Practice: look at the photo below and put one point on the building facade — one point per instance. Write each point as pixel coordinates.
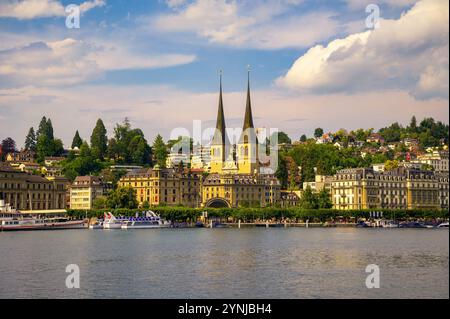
(233, 190)
(166, 186)
(84, 190)
(401, 188)
(28, 192)
(437, 159)
(320, 183)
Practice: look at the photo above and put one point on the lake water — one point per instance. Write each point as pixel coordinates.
(226, 263)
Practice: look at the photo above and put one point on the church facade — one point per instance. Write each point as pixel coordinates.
(235, 178)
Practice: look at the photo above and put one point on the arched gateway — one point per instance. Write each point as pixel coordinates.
(217, 203)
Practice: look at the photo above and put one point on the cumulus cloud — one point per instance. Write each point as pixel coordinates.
(73, 61)
(410, 53)
(259, 24)
(30, 9)
(156, 109)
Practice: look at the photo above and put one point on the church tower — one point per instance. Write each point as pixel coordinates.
(247, 149)
(220, 143)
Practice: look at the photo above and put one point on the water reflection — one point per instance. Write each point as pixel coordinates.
(226, 263)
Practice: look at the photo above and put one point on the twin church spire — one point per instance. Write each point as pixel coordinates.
(220, 136)
(246, 149)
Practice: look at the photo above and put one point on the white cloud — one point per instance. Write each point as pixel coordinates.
(259, 24)
(73, 61)
(409, 53)
(361, 4)
(156, 109)
(30, 9)
(88, 5)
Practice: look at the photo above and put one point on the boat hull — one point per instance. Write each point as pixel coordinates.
(112, 226)
(49, 226)
(145, 226)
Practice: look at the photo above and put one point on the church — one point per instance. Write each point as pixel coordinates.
(235, 179)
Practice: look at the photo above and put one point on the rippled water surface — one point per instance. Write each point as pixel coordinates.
(226, 263)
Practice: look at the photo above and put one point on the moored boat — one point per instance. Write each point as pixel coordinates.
(14, 220)
(389, 224)
(111, 222)
(412, 225)
(97, 225)
(147, 221)
(443, 225)
(41, 224)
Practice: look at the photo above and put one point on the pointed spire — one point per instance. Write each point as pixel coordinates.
(220, 136)
(248, 119)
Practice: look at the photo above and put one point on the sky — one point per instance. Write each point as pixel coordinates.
(313, 64)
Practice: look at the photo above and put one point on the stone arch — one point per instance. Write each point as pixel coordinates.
(218, 202)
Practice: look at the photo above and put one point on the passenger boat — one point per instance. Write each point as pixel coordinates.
(389, 224)
(97, 225)
(14, 220)
(41, 224)
(443, 225)
(412, 225)
(149, 220)
(111, 222)
(362, 224)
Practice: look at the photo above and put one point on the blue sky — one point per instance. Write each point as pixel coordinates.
(314, 63)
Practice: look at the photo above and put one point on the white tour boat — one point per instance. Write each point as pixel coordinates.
(111, 222)
(149, 220)
(443, 225)
(389, 224)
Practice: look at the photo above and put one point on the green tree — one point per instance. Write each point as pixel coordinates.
(112, 176)
(49, 131)
(84, 164)
(99, 140)
(123, 197)
(145, 205)
(293, 173)
(309, 199)
(44, 147)
(46, 144)
(8, 146)
(85, 150)
(283, 138)
(30, 140)
(324, 199)
(303, 138)
(427, 167)
(57, 147)
(413, 125)
(392, 133)
(77, 141)
(390, 165)
(129, 145)
(160, 151)
(42, 128)
(282, 171)
(139, 150)
(318, 132)
(100, 202)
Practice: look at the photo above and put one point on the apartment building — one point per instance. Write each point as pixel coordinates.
(168, 186)
(401, 188)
